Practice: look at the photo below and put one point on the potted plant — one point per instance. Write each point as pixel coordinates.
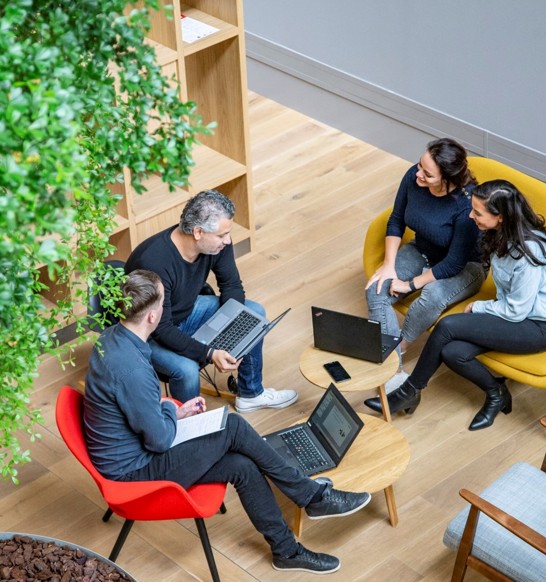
(68, 128)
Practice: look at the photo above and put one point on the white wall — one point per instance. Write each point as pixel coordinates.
(475, 69)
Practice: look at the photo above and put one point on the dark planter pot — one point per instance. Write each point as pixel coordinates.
(23, 556)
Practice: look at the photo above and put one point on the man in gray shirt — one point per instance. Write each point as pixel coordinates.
(129, 431)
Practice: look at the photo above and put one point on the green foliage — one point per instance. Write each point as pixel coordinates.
(68, 128)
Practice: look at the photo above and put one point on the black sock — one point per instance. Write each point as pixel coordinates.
(318, 495)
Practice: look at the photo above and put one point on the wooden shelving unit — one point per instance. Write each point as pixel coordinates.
(211, 72)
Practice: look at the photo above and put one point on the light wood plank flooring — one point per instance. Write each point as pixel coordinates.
(316, 189)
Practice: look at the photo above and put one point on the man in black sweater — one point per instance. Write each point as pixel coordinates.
(183, 256)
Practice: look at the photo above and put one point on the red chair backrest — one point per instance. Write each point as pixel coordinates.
(69, 417)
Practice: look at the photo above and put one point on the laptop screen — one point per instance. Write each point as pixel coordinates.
(336, 421)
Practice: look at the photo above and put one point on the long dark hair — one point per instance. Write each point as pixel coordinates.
(450, 157)
(518, 226)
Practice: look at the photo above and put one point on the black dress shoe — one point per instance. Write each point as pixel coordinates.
(307, 561)
(498, 400)
(405, 397)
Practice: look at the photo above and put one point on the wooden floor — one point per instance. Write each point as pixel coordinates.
(316, 190)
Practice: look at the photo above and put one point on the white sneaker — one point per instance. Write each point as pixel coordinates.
(269, 398)
(396, 381)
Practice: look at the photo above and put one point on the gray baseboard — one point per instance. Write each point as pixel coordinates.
(371, 113)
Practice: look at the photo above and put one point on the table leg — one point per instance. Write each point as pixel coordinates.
(391, 505)
(298, 521)
(384, 403)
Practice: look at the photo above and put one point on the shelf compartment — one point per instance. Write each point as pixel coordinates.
(122, 224)
(220, 96)
(156, 199)
(212, 169)
(164, 54)
(122, 241)
(240, 234)
(225, 30)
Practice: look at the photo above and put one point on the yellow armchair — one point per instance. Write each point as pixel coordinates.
(527, 369)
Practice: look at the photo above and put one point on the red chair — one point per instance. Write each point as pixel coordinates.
(139, 500)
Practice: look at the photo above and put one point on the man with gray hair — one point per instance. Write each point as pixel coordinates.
(183, 256)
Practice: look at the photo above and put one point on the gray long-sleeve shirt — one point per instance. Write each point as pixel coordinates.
(521, 288)
(125, 421)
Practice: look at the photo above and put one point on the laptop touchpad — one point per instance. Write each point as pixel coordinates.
(218, 322)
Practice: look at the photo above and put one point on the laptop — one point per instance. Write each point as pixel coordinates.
(350, 335)
(235, 328)
(320, 443)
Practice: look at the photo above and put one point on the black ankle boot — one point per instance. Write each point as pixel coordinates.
(405, 398)
(496, 400)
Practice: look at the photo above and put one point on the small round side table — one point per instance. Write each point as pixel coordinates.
(364, 375)
(377, 458)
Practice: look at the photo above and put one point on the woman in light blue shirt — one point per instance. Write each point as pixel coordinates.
(514, 241)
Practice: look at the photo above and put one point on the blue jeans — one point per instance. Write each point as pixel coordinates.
(433, 300)
(457, 339)
(183, 373)
(237, 455)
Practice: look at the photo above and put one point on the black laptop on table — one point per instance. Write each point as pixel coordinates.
(350, 335)
(235, 328)
(320, 443)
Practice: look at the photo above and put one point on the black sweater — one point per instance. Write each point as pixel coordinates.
(183, 281)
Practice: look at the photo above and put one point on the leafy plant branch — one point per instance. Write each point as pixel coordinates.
(83, 103)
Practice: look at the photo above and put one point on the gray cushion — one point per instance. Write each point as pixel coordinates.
(521, 492)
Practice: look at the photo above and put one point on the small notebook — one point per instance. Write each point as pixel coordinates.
(200, 424)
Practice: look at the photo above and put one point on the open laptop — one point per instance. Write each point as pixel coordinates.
(350, 335)
(320, 443)
(235, 328)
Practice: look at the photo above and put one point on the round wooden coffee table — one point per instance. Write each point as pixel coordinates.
(364, 375)
(377, 458)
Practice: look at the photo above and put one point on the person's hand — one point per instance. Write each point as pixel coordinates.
(468, 308)
(398, 287)
(224, 361)
(380, 276)
(192, 407)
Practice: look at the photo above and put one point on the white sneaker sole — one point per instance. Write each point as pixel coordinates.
(307, 570)
(284, 404)
(361, 506)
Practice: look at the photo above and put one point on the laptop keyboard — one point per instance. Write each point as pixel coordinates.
(304, 449)
(231, 335)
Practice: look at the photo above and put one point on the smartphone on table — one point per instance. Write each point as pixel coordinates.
(337, 372)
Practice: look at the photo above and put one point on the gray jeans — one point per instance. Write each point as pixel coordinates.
(433, 300)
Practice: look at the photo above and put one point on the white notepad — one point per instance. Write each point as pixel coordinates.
(193, 30)
(200, 424)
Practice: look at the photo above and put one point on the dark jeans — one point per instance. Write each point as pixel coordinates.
(237, 455)
(458, 339)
